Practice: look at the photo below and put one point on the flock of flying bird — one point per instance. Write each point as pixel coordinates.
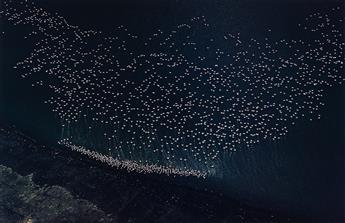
(176, 102)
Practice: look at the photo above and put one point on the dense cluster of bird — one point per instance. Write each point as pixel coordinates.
(131, 165)
(178, 98)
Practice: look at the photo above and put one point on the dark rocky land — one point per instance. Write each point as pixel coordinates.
(41, 184)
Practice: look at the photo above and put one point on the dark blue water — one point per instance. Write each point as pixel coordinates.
(300, 173)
